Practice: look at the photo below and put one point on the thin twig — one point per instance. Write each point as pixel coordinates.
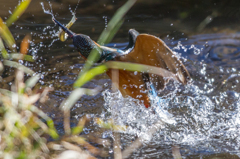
(117, 146)
(139, 141)
(176, 152)
(115, 80)
(116, 135)
(66, 122)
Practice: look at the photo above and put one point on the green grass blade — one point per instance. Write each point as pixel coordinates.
(87, 76)
(31, 82)
(77, 130)
(18, 66)
(28, 58)
(18, 12)
(52, 130)
(114, 31)
(6, 35)
(115, 21)
(3, 50)
(72, 99)
(1, 69)
(75, 96)
(140, 68)
(6, 92)
(19, 56)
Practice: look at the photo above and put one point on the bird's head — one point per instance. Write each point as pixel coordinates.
(83, 43)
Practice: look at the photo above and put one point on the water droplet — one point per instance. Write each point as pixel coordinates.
(106, 84)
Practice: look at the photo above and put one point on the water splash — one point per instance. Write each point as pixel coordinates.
(74, 12)
(208, 117)
(195, 49)
(199, 124)
(106, 21)
(127, 111)
(47, 11)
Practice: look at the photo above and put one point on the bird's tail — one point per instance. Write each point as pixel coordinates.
(66, 30)
(156, 102)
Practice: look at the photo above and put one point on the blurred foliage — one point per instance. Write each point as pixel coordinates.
(110, 125)
(18, 12)
(73, 140)
(6, 35)
(22, 125)
(24, 128)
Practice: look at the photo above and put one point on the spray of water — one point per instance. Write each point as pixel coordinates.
(202, 122)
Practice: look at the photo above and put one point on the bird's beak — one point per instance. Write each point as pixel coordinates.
(66, 30)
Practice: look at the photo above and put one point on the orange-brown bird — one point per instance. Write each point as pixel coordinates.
(142, 49)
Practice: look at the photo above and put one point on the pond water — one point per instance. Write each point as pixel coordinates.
(207, 110)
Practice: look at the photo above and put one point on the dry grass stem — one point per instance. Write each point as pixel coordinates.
(176, 152)
(139, 141)
(117, 146)
(66, 122)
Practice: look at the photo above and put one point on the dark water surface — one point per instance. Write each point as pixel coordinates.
(207, 111)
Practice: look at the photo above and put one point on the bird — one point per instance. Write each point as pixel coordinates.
(142, 49)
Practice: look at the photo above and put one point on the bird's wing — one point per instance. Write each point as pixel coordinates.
(132, 39)
(110, 53)
(150, 50)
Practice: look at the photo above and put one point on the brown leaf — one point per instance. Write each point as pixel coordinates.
(25, 44)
